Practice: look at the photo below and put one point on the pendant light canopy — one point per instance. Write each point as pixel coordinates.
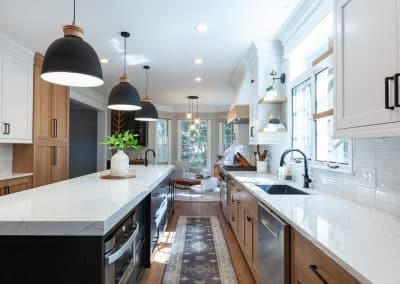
(124, 96)
(70, 61)
(148, 111)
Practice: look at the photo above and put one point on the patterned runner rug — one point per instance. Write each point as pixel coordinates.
(199, 253)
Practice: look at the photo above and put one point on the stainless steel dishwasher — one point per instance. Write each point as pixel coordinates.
(274, 254)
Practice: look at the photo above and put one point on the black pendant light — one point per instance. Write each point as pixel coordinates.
(70, 61)
(124, 96)
(148, 111)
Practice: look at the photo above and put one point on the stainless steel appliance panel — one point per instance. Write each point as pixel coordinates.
(274, 251)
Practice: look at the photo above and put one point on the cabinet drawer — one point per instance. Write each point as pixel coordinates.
(310, 265)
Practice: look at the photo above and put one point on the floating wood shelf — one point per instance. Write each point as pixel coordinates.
(272, 130)
(272, 100)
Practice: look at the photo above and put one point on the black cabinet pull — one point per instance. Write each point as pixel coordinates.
(8, 128)
(5, 128)
(56, 128)
(396, 90)
(387, 79)
(7, 190)
(252, 131)
(314, 268)
(249, 219)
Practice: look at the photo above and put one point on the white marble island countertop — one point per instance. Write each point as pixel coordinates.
(364, 241)
(85, 205)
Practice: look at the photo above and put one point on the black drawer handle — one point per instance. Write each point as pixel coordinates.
(314, 268)
(396, 90)
(252, 131)
(387, 79)
(249, 219)
(5, 128)
(233, 219)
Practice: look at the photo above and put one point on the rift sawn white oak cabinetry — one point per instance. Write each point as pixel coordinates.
(367, 49)
(16, 94)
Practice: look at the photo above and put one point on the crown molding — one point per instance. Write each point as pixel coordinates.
(301, 21)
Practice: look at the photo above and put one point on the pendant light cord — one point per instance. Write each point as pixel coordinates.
(125, 58)
(73, 21)
(147, 85)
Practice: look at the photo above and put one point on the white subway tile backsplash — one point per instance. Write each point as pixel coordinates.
(376, 178)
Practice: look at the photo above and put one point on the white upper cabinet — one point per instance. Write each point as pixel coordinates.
(367, 55)
(16, 93)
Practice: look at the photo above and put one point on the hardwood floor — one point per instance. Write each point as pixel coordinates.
(155, 274)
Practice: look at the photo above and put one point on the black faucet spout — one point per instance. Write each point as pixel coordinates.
(307, 179)
(146, 161)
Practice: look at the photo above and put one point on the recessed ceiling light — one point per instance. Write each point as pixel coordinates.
(104, 60)
(198, 61)
(198, 79)
(202, 28)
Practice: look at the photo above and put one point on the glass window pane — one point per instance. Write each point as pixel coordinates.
(324, 89)
(329, 149)
(301, 115)
(162, 141)
(194, 143)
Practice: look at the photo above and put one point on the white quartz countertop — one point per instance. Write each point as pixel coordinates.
(5, 176)
(85, 205)
(364, 241)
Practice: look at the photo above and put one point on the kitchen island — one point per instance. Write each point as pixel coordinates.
(58, 233)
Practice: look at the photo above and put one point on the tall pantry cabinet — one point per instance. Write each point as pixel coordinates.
(48, 157)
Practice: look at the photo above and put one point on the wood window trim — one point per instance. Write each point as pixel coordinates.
(323, 114)
(322, 57)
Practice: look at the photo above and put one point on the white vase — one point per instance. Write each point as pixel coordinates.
(119, 164)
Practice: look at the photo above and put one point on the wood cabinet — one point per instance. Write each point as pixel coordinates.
(310, 265)
(15, 185)
(366, 64)
(51, 104)
(48, 156)
(243, 212)
(16, 73)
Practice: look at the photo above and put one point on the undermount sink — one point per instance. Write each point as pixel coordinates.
(281, 189)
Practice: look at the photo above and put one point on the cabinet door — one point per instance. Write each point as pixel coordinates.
(240, 217)
(366, 54)
(2, 188)
(16, 105)
(248, 235)
(60, 113)
(309, 265)
(59, 163)
(43, 105)
(233, 213)
(43, 167)
(19, 184)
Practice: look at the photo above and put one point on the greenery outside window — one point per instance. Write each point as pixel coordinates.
(194, 143)
(162, 145)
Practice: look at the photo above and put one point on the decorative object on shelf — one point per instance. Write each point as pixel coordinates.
(281, 78)
(124, 96)
(270, 92)
(148, 111)
(120, 160)
(70, 61)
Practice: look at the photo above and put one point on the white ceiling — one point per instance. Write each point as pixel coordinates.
(163, 36)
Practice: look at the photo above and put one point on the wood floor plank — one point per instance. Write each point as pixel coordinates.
(155, 274)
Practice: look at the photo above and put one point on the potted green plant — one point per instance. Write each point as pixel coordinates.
(121, 142)
(270, 91)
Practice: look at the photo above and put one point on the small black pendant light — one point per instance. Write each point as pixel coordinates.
(148, 111)
(70, 61)
(124, 96)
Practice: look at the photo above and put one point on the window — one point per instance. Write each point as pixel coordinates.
(312, 119)
(194, 143)
(327, 149)
(301, 117)
(162, 147)
(226, 137)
